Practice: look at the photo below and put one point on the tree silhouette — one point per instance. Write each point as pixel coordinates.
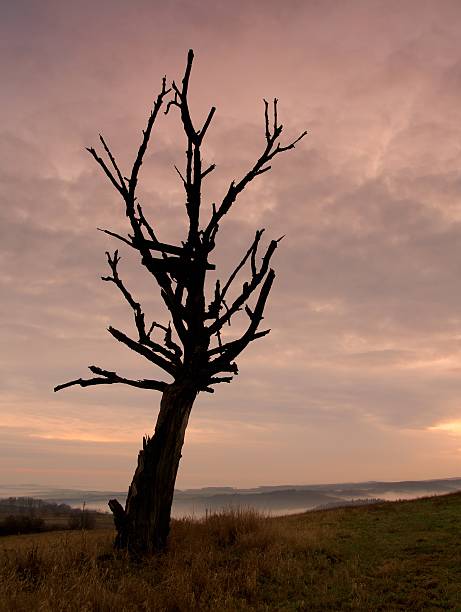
(192, 351)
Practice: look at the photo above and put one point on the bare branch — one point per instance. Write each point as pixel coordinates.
(272, 148)
(112, 159)
(247, 289)
(234, 343)
(114, 235)
(154, 244)
(218, 336)
(108, 173)
(180, 100)
(266, 120)
(154, 325)
(165, 248)
(144, 337)
(222, 379)
(145, 141)
(176, 309)
(221, 364)
(232, 349)
(181, 176)
(215, 306)
(263, 170)
(185, 115)
(208, 170)
(171, 344)
(280, 149)
(251, 251)
(207, 123)
(143, 350)
(157, 267)
(138, 314)
(143, 221)
(108, 378)
(193, 174)
(175, 101)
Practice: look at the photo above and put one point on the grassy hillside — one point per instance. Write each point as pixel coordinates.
(392, 556)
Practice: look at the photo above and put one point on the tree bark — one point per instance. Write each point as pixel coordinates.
(144, 525)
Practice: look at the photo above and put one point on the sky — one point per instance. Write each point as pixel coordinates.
(360, 377)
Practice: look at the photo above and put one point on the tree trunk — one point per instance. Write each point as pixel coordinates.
(143, 526)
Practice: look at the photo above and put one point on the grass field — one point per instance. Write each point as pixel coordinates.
(392, 556)
(62, 521)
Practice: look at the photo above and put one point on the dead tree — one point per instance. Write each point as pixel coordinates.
(192, 351)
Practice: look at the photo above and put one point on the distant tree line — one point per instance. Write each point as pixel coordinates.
(31, 505)
(21, 515)
(20, 524)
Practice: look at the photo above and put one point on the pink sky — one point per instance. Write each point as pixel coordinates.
(361, 375)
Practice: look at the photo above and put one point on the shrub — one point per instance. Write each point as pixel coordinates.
(15, 525)
(82, 519)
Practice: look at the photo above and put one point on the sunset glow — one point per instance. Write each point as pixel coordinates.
(453, 428)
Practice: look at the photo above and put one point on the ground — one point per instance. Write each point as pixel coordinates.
(390, 556)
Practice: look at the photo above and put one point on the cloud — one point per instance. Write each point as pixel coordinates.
(365, 341)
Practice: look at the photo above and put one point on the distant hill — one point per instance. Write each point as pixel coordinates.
(280, 499)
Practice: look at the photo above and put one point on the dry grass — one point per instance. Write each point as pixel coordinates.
(403, 556)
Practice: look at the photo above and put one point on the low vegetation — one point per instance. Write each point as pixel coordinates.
(389, 556)
(23, 515)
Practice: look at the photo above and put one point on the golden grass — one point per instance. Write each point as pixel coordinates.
(403, 556)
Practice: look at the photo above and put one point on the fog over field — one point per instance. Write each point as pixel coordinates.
(275, 500)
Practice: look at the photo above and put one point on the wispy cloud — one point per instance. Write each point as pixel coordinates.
(364, 358)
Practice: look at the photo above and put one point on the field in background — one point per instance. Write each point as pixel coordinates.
(391, 556)
(20, 515)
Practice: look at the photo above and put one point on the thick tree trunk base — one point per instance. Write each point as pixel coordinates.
(143, 526)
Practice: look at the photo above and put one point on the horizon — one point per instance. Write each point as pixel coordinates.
(49, 487)
(273, 500)
(360, 377)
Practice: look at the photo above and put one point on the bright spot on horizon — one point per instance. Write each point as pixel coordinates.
(452, 427)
